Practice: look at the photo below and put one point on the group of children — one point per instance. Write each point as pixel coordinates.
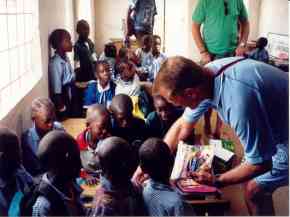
(44, 178)
(98, 79)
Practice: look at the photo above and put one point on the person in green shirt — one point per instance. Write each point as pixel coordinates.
(221, 21)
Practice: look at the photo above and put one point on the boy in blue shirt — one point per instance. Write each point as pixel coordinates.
(260, 53)
(117, 196)
(160, 198)
(159, 121)
(102, 90)
(14, 180)
(57, 193)
(43, 117)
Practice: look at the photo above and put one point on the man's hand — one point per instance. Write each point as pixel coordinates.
(205, 58)
(203, 177)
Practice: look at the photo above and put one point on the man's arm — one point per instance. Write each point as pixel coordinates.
(245, 30)
(244, 172)
(239, 174)
(205, 56)
(180, 130)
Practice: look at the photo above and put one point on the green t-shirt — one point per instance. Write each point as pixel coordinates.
(220, 32)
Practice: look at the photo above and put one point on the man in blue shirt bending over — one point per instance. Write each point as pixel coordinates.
(250, 96)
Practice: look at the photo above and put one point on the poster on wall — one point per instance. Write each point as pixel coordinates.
(278, 46)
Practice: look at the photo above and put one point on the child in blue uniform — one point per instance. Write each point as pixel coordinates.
(61, 74)
(102, 90)
(14, 180)
(160, 198)
(43, 117)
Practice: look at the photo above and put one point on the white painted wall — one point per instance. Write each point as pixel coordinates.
(274, 17)
(52, 14)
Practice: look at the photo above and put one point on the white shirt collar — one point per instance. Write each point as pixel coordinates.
(101, 89)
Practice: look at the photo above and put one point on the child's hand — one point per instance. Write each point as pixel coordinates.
(92, 181)
(139, 177)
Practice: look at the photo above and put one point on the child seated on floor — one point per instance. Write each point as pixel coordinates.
(145, 56)
(14, 180)
(102, 90)
(260, 53)
(129, 84)
(59, 195)
(125, 125)
(61, 75)
(117, 196)
(99, 127)
(159, 121)
(43, 118)
(110, 55)
(126, 54)
(158, 56)
(159, 197)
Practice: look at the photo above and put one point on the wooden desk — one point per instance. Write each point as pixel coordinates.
(74, 126)
(210, 207)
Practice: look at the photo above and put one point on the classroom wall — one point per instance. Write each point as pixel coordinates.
(274, 17)
(109, 15)
(52, 14)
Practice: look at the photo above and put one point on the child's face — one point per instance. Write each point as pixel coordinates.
(156, 45)
(103, 73)
(123, 119)
(100, 129)
(127, 72)
(147, 45)
(163, 109)
(84, 30)
(66, 44)
(44, 121)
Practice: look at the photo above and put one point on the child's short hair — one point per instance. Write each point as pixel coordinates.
(80, 24)
(42, 103)
(121, 103)
(156, 37)
(116, 159)
(56, 37)
(119, 66)
(262, 42)
(94, 112)
(156, 159)
(110, 50)
(101, 62)
(123, 52)
(10, 147)
(59, 152)
(147, 39)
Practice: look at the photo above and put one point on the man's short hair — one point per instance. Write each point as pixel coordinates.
(177, 74)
